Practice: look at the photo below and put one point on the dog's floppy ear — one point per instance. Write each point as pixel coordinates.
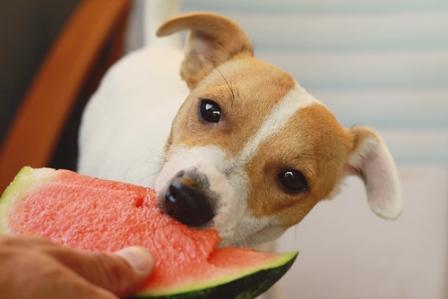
(371, 160)
(213, 39)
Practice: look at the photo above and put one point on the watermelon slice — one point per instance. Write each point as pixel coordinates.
(99, 215)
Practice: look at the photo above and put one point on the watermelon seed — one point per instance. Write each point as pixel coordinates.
(138, 201)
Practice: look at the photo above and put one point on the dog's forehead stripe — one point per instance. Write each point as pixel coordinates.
(297, 98)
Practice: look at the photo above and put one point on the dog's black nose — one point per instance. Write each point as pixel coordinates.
(186, 204)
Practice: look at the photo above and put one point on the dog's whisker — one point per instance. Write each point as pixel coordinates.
(229, 86)
(144, 157)
(153, 173)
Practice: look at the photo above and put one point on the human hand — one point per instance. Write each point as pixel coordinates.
(39, 269)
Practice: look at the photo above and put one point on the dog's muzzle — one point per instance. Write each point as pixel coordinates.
(186, 201)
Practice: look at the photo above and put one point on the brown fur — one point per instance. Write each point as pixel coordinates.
(225, 41)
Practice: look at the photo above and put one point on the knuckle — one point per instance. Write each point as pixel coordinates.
(52, 272)
(112, 272)
(8, 241)
(53, 251)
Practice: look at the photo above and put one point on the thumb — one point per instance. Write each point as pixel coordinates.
(123, 272)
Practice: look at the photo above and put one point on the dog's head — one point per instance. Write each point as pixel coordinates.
(250, 151)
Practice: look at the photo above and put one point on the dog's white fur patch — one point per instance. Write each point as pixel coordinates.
(209, 160)
(297, 98)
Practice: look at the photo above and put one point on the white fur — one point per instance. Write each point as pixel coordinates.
(126, 123)
(209, 160)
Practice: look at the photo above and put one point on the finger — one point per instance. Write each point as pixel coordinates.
(23, 241)
(122, 273)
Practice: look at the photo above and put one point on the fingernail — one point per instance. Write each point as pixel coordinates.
(138, 257)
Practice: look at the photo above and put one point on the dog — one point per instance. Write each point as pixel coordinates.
(245, 149)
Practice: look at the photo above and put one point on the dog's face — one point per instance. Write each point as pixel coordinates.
(250, 151)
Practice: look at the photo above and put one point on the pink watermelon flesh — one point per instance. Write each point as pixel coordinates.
(99, 215)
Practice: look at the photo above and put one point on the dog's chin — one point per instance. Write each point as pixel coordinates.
(253, 240)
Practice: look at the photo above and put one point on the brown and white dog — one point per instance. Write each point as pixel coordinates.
(250, 152)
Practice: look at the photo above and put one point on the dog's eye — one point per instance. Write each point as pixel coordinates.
(210, 111)
(293, 181)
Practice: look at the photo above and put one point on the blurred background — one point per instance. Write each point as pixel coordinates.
(382, 63)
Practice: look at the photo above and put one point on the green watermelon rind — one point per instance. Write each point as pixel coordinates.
(24, 181)
(247, 284)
